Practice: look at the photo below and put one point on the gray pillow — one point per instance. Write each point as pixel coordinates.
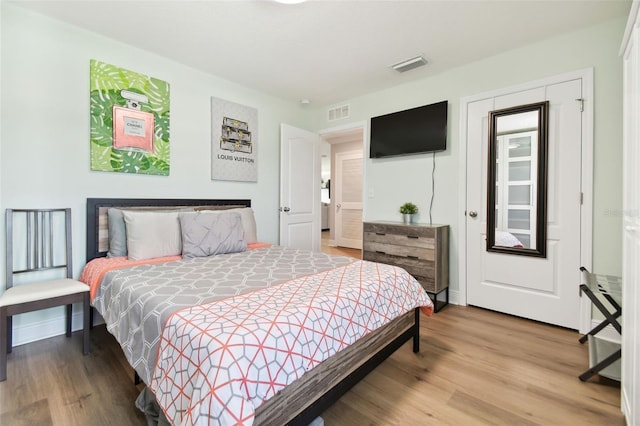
(206, 234)
(246, 215)
(117, 233)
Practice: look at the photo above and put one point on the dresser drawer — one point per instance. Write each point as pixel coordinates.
(409, 231)
(422, 271)
(395, 249)
(421, 250)
(400, 240)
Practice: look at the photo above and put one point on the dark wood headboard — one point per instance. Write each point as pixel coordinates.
(97, 215)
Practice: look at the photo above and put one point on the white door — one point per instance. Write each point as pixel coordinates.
(299, 188)
(348, 202)
(631, 225)
(543, 289)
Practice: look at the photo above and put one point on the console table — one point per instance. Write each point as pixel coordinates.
(423, 250)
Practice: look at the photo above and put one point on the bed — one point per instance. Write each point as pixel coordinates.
(178, 341)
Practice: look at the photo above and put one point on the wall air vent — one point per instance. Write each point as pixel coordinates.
(409, 64)
(338, 113)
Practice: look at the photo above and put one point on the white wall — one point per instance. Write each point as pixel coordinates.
(44, 155)
(396, 180)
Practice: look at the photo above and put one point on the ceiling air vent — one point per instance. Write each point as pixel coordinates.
(409, 64)
(339, 112)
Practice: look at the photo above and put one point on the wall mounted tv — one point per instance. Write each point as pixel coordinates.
(413, 131)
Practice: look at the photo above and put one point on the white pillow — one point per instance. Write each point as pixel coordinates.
(152, 234)
(248, 222)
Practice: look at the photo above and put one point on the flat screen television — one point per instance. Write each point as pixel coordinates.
(412, 131)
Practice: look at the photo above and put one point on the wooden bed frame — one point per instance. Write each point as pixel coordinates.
(306, 398)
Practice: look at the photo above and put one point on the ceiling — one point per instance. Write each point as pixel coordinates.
(327, 51)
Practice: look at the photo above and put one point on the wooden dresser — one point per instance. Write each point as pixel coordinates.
(423, 250)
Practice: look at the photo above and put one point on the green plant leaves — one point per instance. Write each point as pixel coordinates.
(408, 208)
(106, 84)
(129, 161)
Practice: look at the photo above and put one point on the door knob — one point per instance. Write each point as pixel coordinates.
(473, 213)
(339, 205)
(285, 209)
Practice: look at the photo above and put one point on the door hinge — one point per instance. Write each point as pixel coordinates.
(581, 198)
(581, 100)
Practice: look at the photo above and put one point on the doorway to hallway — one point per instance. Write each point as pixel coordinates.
(339, 251)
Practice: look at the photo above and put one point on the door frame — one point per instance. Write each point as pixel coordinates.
(586, 211)
(365, 137)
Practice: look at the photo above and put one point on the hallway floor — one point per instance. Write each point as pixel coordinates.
(339, 251)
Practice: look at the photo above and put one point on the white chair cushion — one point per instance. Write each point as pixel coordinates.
(41, 291)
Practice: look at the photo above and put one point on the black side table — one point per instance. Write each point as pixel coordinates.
(439, 304)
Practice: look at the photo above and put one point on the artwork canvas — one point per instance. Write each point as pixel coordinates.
(129, 121)
(234, 137)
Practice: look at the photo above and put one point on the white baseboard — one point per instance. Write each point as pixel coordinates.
(50, 327)
(454, 297)
(38, 330)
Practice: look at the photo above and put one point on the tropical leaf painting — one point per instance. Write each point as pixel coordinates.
(107, 83)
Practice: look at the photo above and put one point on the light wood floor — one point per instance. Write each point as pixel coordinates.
(339, 251)
(475, 367)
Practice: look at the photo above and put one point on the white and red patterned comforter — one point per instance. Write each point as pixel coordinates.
(217, 362)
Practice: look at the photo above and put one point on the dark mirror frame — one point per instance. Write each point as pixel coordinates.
(541, 194)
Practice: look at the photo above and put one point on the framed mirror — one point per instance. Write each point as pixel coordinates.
(517, 180)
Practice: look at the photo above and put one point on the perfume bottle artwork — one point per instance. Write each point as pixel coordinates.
(132, 127)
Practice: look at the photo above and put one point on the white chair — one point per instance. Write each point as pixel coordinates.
(34, 245)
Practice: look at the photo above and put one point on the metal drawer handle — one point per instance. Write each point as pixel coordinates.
(413, 257)
(381, 252)
(380, 233)
(413, 236)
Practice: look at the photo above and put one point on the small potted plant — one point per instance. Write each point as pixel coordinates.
(408, 209)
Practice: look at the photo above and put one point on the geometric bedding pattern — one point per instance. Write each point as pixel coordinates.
(95, 270)
(220, 361)
(135, 302)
